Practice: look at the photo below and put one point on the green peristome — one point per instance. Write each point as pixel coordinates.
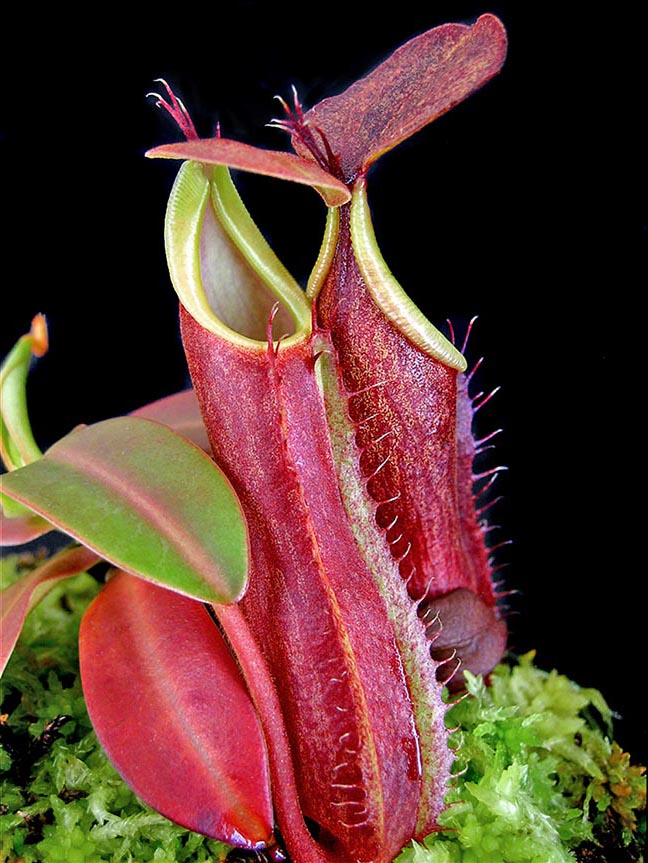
(148, 501)
(212, 240)
(387, 293)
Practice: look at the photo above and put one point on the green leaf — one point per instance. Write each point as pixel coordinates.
(147, 500)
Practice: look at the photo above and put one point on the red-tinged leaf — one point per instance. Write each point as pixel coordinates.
(18, 599)
(22, 529)
(180, 412)
(171, 709)
(271, 163)
(147, 500)
(421, 80)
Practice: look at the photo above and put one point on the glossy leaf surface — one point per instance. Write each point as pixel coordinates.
(147, 500)
(171, 708)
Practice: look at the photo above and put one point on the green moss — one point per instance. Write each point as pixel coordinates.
(541, 777)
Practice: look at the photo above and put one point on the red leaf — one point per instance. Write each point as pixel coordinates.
(171, 709)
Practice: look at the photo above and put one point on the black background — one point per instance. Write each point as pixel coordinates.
(519, 206)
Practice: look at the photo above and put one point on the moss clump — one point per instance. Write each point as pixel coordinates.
(542, 781)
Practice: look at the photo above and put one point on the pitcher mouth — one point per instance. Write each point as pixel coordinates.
(224, 272)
